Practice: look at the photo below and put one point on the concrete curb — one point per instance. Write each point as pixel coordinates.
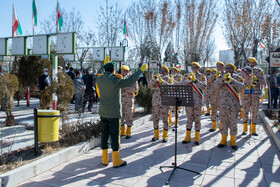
(273, 131)
(23, 173)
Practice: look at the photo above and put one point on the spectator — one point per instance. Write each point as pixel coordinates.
(44, 81)
(79, 91)
(143, 80)
(273, 93)
(71, 73)
(89, 81)
(60, 69)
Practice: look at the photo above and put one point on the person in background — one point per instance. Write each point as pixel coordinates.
(79, 91)
(143, 80)
(89, 81)
(44, 81)
(60, 69)
(274, 82)
(72, 75)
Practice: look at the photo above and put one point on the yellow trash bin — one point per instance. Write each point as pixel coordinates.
(266, 93)
(48, 127)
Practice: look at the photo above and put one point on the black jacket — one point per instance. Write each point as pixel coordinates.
(89, 81)
(44, 81)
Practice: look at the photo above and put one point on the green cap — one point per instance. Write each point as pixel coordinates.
(109, 65)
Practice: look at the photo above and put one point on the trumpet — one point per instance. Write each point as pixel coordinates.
(189, 77)
(156, 76)
(253, 79)
(227, 78)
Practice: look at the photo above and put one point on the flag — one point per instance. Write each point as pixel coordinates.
(34, 14)
(125, 27)
(178, 65)
(262, 44)
(59, 21)
(16, 25)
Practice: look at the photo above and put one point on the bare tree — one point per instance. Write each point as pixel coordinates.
(109, 24)
(246, 23)
(200, 18)
(72, 22)
(151, 27)
(86, 41)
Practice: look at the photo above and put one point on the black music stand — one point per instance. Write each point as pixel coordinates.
(176, 95)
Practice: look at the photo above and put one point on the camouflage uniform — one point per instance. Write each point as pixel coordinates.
(251, 98)
(228, 103)
(214, 96)
(159, 109)
(127, 103)
(178, 78)
(193, 113)
(207, 92)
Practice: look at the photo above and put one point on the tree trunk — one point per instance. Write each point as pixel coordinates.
(255, 48)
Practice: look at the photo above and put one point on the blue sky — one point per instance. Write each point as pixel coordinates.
(89, 10)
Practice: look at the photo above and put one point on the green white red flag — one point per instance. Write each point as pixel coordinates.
(59, 20)
(34, 14)
(16, 29)
(125, 31)
(262, 44)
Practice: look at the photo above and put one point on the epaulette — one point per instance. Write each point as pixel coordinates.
(119, 76)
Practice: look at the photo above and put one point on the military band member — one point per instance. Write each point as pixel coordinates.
(229, 85)
(177, 79)
(253, 80)
(109, 89)
(198, 83)
(214, 94)
(206, 92)
(160, 110)
(175, 72)
(127, 103)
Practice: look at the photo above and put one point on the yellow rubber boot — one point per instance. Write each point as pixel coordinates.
(128, 132)
(169, 119)
(223, 142)
(165, 136)
(202, 112)
(133, 107)
(117, 161)
(214, 126)
(177, 122)
(156, 136)
(123, 130)
(253, 129)
(220, 125)
(207, 111)
(245, 128)
(196, 137)
(187, 138)
(105, 157)
(233, 142)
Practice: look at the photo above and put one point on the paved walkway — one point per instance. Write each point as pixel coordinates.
(255, 163)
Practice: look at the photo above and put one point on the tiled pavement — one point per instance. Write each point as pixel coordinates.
(255, 163)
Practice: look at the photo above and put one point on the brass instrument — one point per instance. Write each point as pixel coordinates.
(254, 79)
(189, 77)
(227, 78)
(156, 76)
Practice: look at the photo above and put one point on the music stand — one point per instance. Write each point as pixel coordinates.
(176, 95)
